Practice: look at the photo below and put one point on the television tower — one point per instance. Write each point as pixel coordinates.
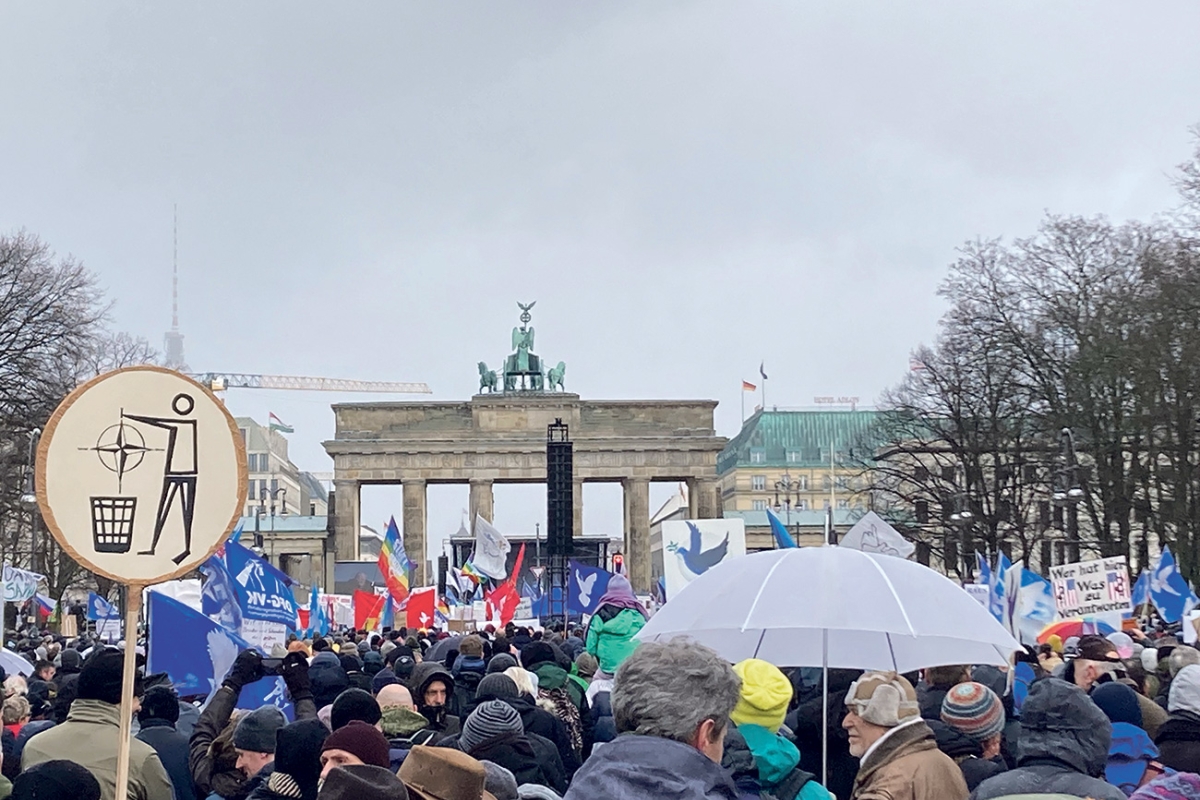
(173, 339)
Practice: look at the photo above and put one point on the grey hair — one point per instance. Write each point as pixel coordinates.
(668, 689)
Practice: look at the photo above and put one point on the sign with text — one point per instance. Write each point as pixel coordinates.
(980, 591)
(1092, 587)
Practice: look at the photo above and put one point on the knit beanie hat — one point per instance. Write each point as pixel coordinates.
(350, 663)
(489, 720)
(56, 780)
(354, 704)
(973, 710)
(501, 662)
(764, 696)
(1179, 786)
(256, 731)
(102, 675)
(1118, 702)
(362, 740)
(883, 698)
(536, 653)
(159, 702)
(298, 753)
(362, 782)
(497, 685)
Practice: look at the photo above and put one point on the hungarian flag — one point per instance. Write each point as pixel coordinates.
(394, 563)
(279, 425)
(421, 608)
(747, 386)
(368, 608)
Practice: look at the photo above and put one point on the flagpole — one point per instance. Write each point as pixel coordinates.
(743, 393)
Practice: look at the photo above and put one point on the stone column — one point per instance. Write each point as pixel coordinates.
(577, 507)
(414, 528)
(693, 499)
(707, 502)
(637, 532)
(482, 502)
(347, 520)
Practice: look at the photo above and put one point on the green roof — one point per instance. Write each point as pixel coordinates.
(801, 439)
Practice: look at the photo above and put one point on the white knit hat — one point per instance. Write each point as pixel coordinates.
(883, 698)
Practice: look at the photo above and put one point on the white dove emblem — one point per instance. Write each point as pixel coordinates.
(1159, 583)
(585, 587)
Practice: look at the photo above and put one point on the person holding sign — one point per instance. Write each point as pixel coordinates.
(90, 735)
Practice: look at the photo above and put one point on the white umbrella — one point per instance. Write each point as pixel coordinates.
(833, 607)
(15, 663)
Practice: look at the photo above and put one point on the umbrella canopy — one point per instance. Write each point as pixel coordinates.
(14, 663)
(835, 607)
(1074, 627)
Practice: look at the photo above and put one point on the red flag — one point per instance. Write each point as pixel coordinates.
(303, 612)
(367, 608)
(505, 599)
(512, 576)
(420, 608)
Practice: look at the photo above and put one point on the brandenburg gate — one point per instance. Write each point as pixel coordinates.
(499, 436)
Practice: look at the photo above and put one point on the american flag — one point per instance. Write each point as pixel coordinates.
(1072, 597)
(1116, 585)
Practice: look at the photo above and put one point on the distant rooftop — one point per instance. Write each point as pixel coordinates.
(801, 439)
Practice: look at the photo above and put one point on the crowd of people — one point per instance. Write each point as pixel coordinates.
(589, 713)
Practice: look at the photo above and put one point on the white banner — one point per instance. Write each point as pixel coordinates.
(20, 584)
(491, 550)
(1092, 587)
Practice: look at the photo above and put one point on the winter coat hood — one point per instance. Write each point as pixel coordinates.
(633, 767)
(1060, 722)
(425, 673)
(400, 723)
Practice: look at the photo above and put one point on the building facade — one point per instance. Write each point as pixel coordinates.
(274, 479)
(798, 464)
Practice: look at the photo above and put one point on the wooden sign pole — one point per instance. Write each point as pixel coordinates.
(133, 607)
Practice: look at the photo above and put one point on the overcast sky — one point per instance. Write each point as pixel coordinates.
(685, 188)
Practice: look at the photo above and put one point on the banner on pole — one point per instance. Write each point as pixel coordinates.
(20, 584)
(1092, 587)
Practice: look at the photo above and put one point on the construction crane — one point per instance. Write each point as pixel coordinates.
(220, 381)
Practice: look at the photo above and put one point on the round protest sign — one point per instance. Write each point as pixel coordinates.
(141, 474)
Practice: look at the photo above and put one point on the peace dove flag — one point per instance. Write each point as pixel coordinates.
(491, 550)
(872, 534)
(587, 586)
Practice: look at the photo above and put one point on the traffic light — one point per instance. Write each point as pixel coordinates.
(618, 562)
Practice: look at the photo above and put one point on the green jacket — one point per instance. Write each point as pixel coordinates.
(611, 641)
(89, 738)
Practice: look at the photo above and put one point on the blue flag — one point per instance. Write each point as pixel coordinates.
(197, 654)
(1034, 608)
(219, 597)
(100, 609)
(783, 539)
(1141, 590)
(985, 572)
(264, 592)
(318, 621)
(587, 586)
(1169, 592)
(997, 601)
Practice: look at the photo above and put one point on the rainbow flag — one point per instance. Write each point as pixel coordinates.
(394, 563)
(469, 570)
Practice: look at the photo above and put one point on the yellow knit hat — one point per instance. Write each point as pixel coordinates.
(766, 693)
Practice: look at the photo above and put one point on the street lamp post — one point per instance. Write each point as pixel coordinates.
(962, 517)
(29, 498)
(265, 494)
(789, 488)
(1067, 490)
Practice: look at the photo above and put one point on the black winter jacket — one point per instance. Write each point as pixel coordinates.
(539, 722)
(1178, 742)
(172, 749)
(967, 753)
